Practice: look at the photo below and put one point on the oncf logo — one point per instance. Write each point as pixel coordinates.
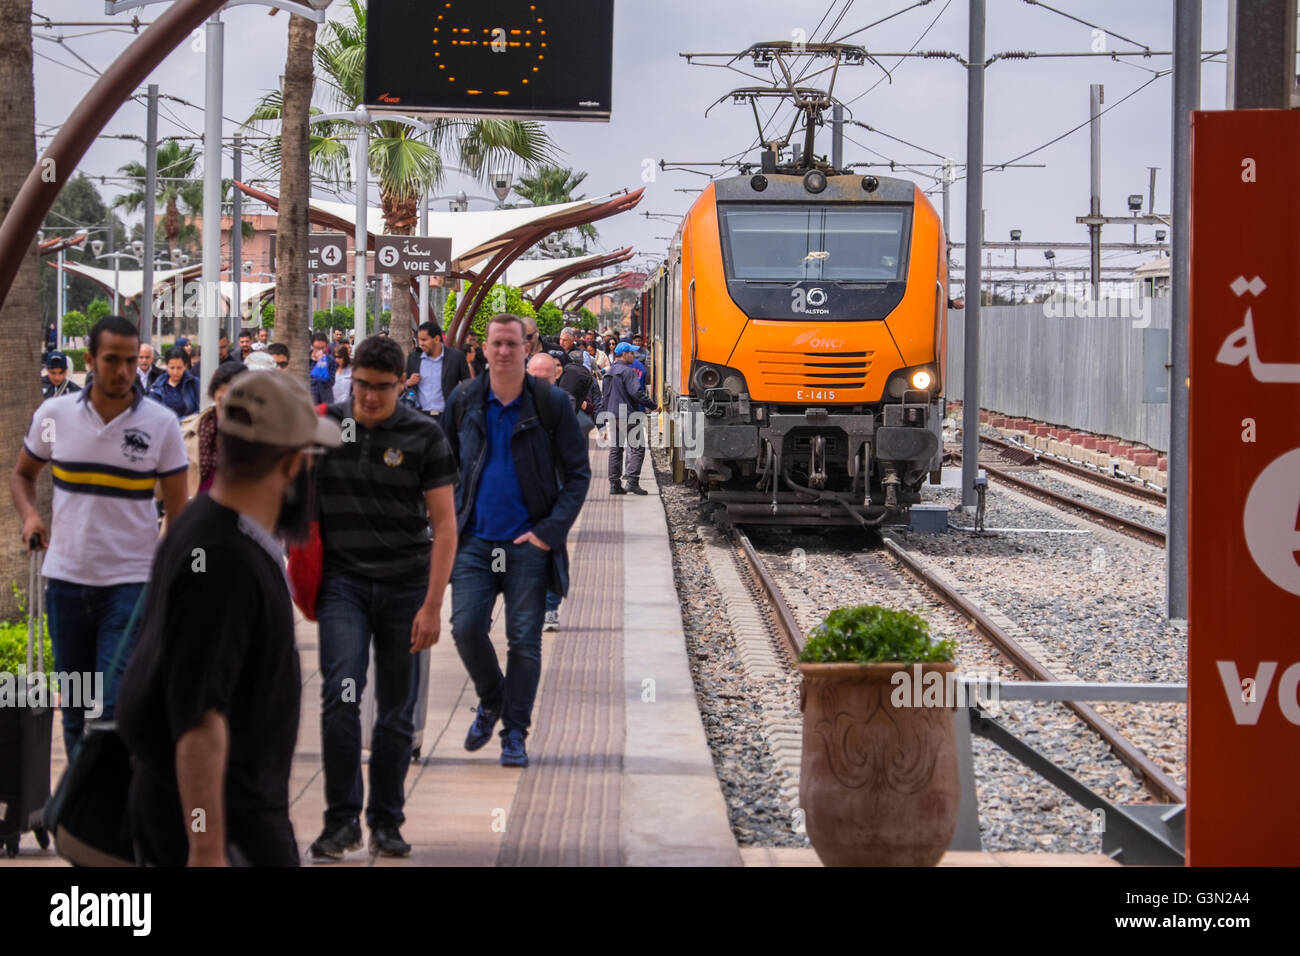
(811, 339)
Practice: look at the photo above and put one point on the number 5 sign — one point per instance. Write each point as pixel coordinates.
(1243, 753)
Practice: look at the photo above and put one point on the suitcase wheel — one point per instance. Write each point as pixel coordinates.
(11, 847)
(42, 837)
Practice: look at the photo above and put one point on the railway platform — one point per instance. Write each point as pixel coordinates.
(620, 771)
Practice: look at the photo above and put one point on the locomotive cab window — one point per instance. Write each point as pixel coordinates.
(815, 242)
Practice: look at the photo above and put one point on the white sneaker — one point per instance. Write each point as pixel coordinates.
(552, 622)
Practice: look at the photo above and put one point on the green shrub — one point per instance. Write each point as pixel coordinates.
(75, 324)
(13, 642)
(98, 309)
(589, 319)
(77, 357)
(549, 319)
(869, 634)
(502, 298)
(268, 314)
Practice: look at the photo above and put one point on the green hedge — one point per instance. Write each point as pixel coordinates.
(13, 641)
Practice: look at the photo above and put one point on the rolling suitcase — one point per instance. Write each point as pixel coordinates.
(421, 705)
(25, 734)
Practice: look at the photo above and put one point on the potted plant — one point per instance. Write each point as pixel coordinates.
(878, 783)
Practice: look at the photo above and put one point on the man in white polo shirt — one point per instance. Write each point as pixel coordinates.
(108, 449)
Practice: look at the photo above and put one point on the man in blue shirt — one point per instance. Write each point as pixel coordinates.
(524, 476)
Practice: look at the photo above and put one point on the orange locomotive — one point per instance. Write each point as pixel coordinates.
(797, 331)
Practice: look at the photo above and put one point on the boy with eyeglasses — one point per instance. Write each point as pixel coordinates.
(380, 492)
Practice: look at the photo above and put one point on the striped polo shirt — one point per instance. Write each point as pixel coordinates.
(371, 492)
(105, 523)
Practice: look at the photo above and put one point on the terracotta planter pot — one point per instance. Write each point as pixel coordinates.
(879, 783)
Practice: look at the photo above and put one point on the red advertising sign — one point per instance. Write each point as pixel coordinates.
(1244, 561)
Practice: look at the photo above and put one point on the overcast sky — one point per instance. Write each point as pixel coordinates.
(659, 100)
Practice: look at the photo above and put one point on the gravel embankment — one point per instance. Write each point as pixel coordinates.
(1094, 599)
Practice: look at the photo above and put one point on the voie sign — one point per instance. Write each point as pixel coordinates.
(327, 252)
(412, 255)
(1243, 772)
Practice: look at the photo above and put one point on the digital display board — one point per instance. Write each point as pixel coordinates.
(506, 59)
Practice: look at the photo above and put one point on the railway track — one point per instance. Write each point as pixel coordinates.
(1032, 456)
(1134, 529)
(1156, 781)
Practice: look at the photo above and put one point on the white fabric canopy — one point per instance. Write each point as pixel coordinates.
(538, 272)
(129, 284)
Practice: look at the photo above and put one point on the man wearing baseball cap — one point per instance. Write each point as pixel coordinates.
(57, 381)
(622, 399)
(210, 700)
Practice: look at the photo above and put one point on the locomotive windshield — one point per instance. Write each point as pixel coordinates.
(789, 243)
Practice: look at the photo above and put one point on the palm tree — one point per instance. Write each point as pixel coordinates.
(179, 185)
(22, 323)
(292, 283)
(555, 184)
(405, 162)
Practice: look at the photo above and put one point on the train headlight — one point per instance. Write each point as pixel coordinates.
(708, 377)
(758, 183)
(921, 379)
(814, 181)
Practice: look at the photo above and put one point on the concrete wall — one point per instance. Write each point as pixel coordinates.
(1078, 371)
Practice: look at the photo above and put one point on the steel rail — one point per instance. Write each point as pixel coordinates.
(783, 619)
(1124, 525)
(1159, 783)
(1078, 471)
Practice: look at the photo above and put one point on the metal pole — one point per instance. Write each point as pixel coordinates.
(970, 408)
(362, 234)
(1230, 92)
(424, 280)
(1186, 96)
(61, 303)
(1151, 194)
(1096, 96)
(209, 320)
(837, 136)
(947, 218)
(150, 223)
(1262, 48)
(237, 245)
(112, 245)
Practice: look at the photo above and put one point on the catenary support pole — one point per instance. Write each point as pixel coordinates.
(1187, 97)
(236, 321)
(1261, 54)
(209, 314)
(60, 302)
(970, 410)
(150, 219)
(1096, 96)
(424, 280)
(362, 177)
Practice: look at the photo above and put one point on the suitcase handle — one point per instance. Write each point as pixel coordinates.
(35, 613)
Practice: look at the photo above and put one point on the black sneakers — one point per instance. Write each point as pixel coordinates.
(634, 487)
(616, 487)
(333, 842)
(387, 841)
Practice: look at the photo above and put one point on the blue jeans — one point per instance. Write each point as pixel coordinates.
(86, 624)
(552, 600)
(475, 583)
(351, 609)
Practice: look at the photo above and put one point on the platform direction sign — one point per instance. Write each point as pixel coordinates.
(327, 252)
(412, 255)
(1243, 768)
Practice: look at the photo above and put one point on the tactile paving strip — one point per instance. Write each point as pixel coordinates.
(566, 810)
